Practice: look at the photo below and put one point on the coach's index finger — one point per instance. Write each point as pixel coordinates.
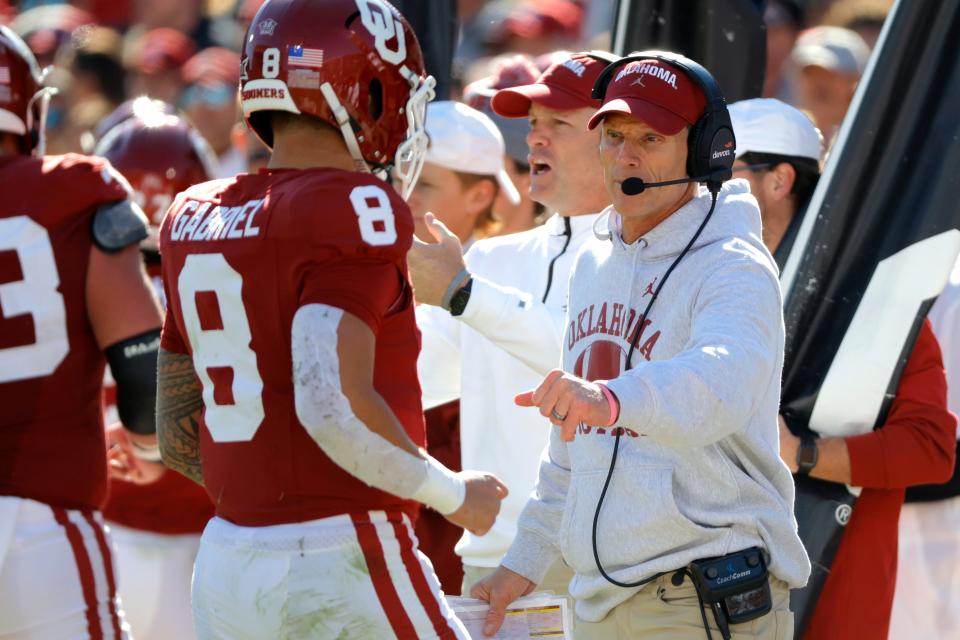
(496, 614)
(546, 385)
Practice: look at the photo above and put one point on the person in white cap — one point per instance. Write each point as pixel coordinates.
(829, 62)
(778, 152)
(462, 174)
(462, 180)
(493, 321)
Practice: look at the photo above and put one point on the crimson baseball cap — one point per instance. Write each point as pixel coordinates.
(161, 49)
(654, 91)
(565, 85)
(211, 66)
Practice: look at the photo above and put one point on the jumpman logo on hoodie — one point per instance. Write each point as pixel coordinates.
(649, 291)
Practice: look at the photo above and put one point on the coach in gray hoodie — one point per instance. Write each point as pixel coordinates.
(698, 472)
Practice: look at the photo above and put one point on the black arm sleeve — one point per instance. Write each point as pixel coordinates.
(133, 363)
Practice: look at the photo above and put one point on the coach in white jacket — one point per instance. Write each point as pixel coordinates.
(699, 473)
(504, 327)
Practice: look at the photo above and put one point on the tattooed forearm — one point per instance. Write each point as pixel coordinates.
(179, 407)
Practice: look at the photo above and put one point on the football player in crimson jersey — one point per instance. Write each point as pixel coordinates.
(156, 526)
(287, 373)
(73, 295)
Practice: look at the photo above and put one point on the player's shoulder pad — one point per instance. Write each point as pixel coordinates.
(117, 225)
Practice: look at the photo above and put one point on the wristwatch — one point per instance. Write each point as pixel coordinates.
(458, 303)
(807, 455)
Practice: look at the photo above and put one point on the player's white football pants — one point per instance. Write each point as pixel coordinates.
(56, 574)
(347, 577)
(153, 576)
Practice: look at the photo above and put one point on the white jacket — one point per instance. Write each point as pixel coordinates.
(507, 339)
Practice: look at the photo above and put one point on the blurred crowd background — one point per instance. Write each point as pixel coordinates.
(186, 52)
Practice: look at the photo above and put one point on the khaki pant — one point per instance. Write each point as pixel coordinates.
(557, 579)
(662, 611)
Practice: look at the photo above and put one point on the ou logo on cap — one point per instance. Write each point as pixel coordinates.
(381, 24)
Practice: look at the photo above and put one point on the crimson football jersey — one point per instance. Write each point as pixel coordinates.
(240, 256)
(51, 426)
(173, 504)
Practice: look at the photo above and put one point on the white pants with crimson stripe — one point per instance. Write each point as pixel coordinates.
(355, 576)
(56, 574)
(154, 572)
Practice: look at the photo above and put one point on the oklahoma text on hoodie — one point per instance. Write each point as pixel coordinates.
(699, 472)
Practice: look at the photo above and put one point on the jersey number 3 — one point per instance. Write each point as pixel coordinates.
(222, 357)
(35, 293)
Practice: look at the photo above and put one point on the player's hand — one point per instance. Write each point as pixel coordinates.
(479, 510)
(500, 588)
(123, 463)
(567, 401)
(434, 266)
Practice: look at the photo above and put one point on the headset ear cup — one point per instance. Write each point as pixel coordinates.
(697, 156)
(723, 148)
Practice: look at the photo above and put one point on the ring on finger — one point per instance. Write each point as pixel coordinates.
(556, 416)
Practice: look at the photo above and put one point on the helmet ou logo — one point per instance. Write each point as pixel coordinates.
(381, 24)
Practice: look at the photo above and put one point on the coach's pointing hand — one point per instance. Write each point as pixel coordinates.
(567, 401)
(433, 266)
(481, 504)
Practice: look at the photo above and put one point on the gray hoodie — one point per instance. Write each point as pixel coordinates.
(698, 472)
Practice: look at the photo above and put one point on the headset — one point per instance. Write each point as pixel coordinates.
(711, 145)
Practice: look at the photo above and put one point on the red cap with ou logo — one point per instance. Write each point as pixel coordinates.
(566, 85)
(656, 92)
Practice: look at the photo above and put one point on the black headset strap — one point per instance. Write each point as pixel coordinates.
(600, 56)
(696, 71)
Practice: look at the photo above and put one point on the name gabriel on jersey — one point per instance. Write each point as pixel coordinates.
(196, 221)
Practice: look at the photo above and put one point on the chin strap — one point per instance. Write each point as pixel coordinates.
(43, 95)
(343, 121)
(411, 153)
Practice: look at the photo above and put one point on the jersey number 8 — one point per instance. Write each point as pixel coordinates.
(224, 347)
